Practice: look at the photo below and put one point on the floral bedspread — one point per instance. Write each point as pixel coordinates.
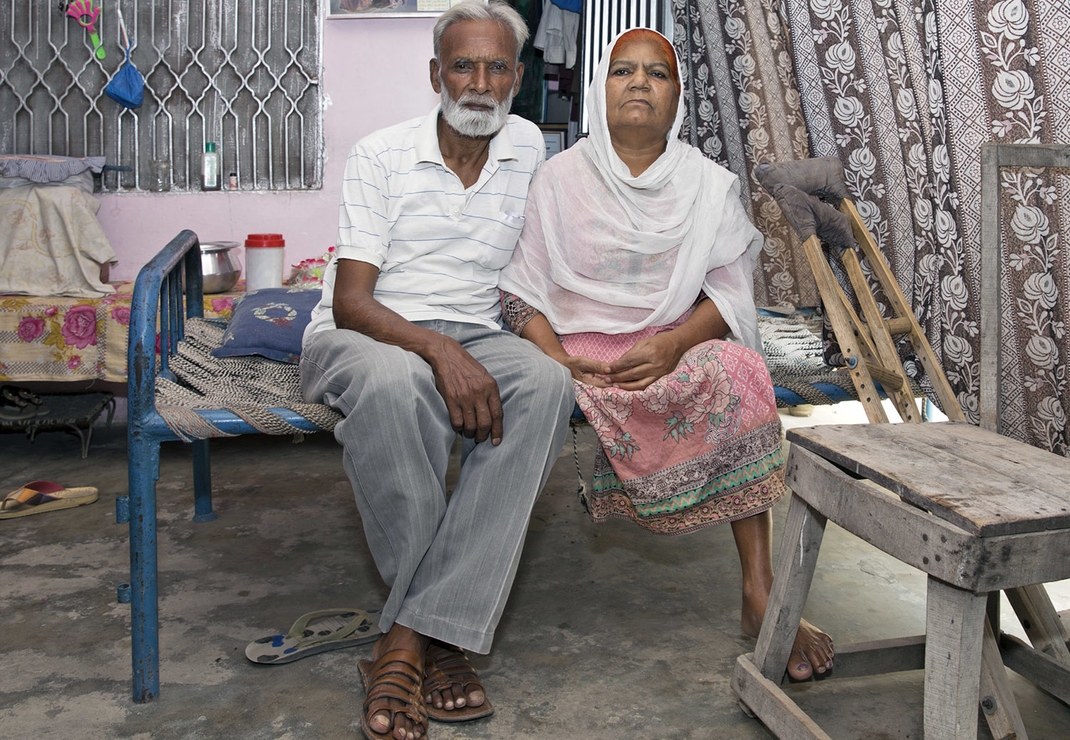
(50, 338)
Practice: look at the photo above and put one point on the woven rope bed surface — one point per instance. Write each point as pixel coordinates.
(249, 387)
(245, 386)
(794, 357)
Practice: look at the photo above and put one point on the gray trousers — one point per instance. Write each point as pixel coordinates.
(449, 563)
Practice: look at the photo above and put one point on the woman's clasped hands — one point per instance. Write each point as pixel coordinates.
(648, 359)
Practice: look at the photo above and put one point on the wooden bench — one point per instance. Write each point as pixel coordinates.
(976, 511)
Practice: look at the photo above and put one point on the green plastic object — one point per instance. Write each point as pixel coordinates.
(86, 15)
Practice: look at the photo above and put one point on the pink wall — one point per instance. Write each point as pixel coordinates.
(375, 73)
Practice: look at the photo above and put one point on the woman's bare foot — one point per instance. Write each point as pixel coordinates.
(394, 705)
(812, 651)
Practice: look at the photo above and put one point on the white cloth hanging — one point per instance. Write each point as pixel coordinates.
(557, 35)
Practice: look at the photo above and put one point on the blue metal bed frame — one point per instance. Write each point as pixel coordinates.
(160, 303)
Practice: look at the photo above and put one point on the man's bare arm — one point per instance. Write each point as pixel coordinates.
(470, 393)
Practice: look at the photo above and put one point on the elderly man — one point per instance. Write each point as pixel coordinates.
(407, 343)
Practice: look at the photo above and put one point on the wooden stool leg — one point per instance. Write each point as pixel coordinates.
(1040, 621)
(997, 699)
(762, 698)
(1047, 662)
(954, 629)
(799, 548)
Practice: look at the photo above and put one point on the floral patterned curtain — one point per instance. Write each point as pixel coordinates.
(905, 92)
(743, 109)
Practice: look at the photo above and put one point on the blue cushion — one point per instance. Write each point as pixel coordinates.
(270, 323)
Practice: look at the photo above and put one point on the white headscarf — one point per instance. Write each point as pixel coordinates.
(603, 251)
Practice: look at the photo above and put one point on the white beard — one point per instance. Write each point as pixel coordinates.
(475, 123)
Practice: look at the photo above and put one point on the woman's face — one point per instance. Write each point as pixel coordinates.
(640, 92)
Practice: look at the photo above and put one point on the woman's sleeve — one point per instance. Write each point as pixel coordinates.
(516, 312)
(731, 286)
(523, 282)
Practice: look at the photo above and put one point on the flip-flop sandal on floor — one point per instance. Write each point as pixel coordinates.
(21, 393)
(392, 677)
(316, 632)
(17, 404)
(41, 495)
(445, 667)
(13, 412)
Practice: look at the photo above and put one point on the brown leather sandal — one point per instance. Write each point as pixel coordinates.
(390, 680)
(445, 667)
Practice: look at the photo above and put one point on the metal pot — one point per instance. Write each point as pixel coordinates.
(219, 266)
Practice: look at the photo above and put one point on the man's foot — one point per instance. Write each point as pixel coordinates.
(811, 653)
(452, 691)
(394, 704)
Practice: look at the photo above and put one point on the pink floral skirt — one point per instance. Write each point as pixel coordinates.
(699, 446)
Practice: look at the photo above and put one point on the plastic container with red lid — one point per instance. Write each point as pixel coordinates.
(264, 257)
(265, 241)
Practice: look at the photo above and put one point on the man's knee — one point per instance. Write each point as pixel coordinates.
(551, 384)
(350, 364)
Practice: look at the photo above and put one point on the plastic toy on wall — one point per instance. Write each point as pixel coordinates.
(86, 15)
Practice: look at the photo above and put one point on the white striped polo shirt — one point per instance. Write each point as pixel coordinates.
(439, 247)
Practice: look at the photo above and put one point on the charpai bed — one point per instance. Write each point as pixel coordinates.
(174, 394)
(61, 321)
(163, 386)
(76, 341)
(58, 338)
(60, 318)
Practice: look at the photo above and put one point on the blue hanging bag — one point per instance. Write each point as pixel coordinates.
(127, 87)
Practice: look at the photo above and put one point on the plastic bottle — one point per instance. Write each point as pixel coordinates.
(210, 167)
(263, 261)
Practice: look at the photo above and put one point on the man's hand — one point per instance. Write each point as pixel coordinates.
(470, 392)
(647, 360)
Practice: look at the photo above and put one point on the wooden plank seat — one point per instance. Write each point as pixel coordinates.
(167, 303)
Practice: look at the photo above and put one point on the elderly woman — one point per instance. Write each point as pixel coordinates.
(634, 271)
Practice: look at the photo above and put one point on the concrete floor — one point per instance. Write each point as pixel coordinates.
(610, 632)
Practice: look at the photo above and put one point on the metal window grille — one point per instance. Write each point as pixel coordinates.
(604, 19)
(241, 73)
